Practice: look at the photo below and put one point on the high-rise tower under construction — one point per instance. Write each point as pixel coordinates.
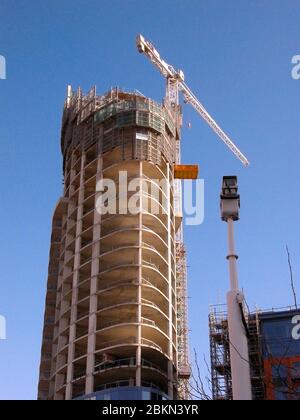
(115, 323)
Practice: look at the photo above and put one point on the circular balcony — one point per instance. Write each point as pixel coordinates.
(124, 368)
(126, 329)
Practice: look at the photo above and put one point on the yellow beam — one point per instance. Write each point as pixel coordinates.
(186, 171)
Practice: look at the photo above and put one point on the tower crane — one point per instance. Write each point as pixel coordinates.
(176, 84)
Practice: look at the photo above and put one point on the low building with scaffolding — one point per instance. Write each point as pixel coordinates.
(274, 353)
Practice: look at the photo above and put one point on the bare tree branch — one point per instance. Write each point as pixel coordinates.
(292, 277)
(197, 384)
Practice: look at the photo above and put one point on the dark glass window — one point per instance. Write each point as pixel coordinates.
(281, 394)
(295, 373)
(277, 338)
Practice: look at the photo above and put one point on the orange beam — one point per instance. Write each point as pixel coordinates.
(186, 171)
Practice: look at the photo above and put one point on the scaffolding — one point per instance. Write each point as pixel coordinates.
(255, 357)
(123, 110)
(184, 370)
(220, 354)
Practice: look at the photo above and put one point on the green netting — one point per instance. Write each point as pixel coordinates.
(142, 104)
(169, 123)
(129, 118)
(126, 118)
(156, 117)
(142, 119)
(156, 123)
(105, 113)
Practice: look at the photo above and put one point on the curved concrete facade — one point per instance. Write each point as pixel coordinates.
(111, 306)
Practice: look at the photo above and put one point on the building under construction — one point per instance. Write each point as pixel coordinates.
(274, 354)
(115, 323)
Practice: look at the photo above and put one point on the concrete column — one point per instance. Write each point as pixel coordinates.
(239, 353)
(170, 349)
(66, 270)
(89, 387)
(75, 284)
(139, 292)
(232, 257)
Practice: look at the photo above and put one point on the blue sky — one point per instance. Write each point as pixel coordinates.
(236, 56)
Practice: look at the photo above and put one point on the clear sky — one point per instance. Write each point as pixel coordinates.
(237, 58)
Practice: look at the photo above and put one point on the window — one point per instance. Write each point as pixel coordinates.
(277, 338)
(107, 396)
(142, 118)
(279, 371)
(281, 394)
(127, 118)
(146, 395)
(295, 372)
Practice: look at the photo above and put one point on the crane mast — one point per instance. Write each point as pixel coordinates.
(176, 84)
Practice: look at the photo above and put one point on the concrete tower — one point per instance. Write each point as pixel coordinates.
(115, 317)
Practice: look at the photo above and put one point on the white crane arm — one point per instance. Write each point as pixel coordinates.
(170, 73)
(192, 99)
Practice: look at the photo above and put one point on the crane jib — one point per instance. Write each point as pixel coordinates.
(169, 72)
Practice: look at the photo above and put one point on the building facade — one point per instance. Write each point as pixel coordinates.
(280, 338)
(115, 319)
(274, 354)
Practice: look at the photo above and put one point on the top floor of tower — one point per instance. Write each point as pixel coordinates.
(145, 129)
